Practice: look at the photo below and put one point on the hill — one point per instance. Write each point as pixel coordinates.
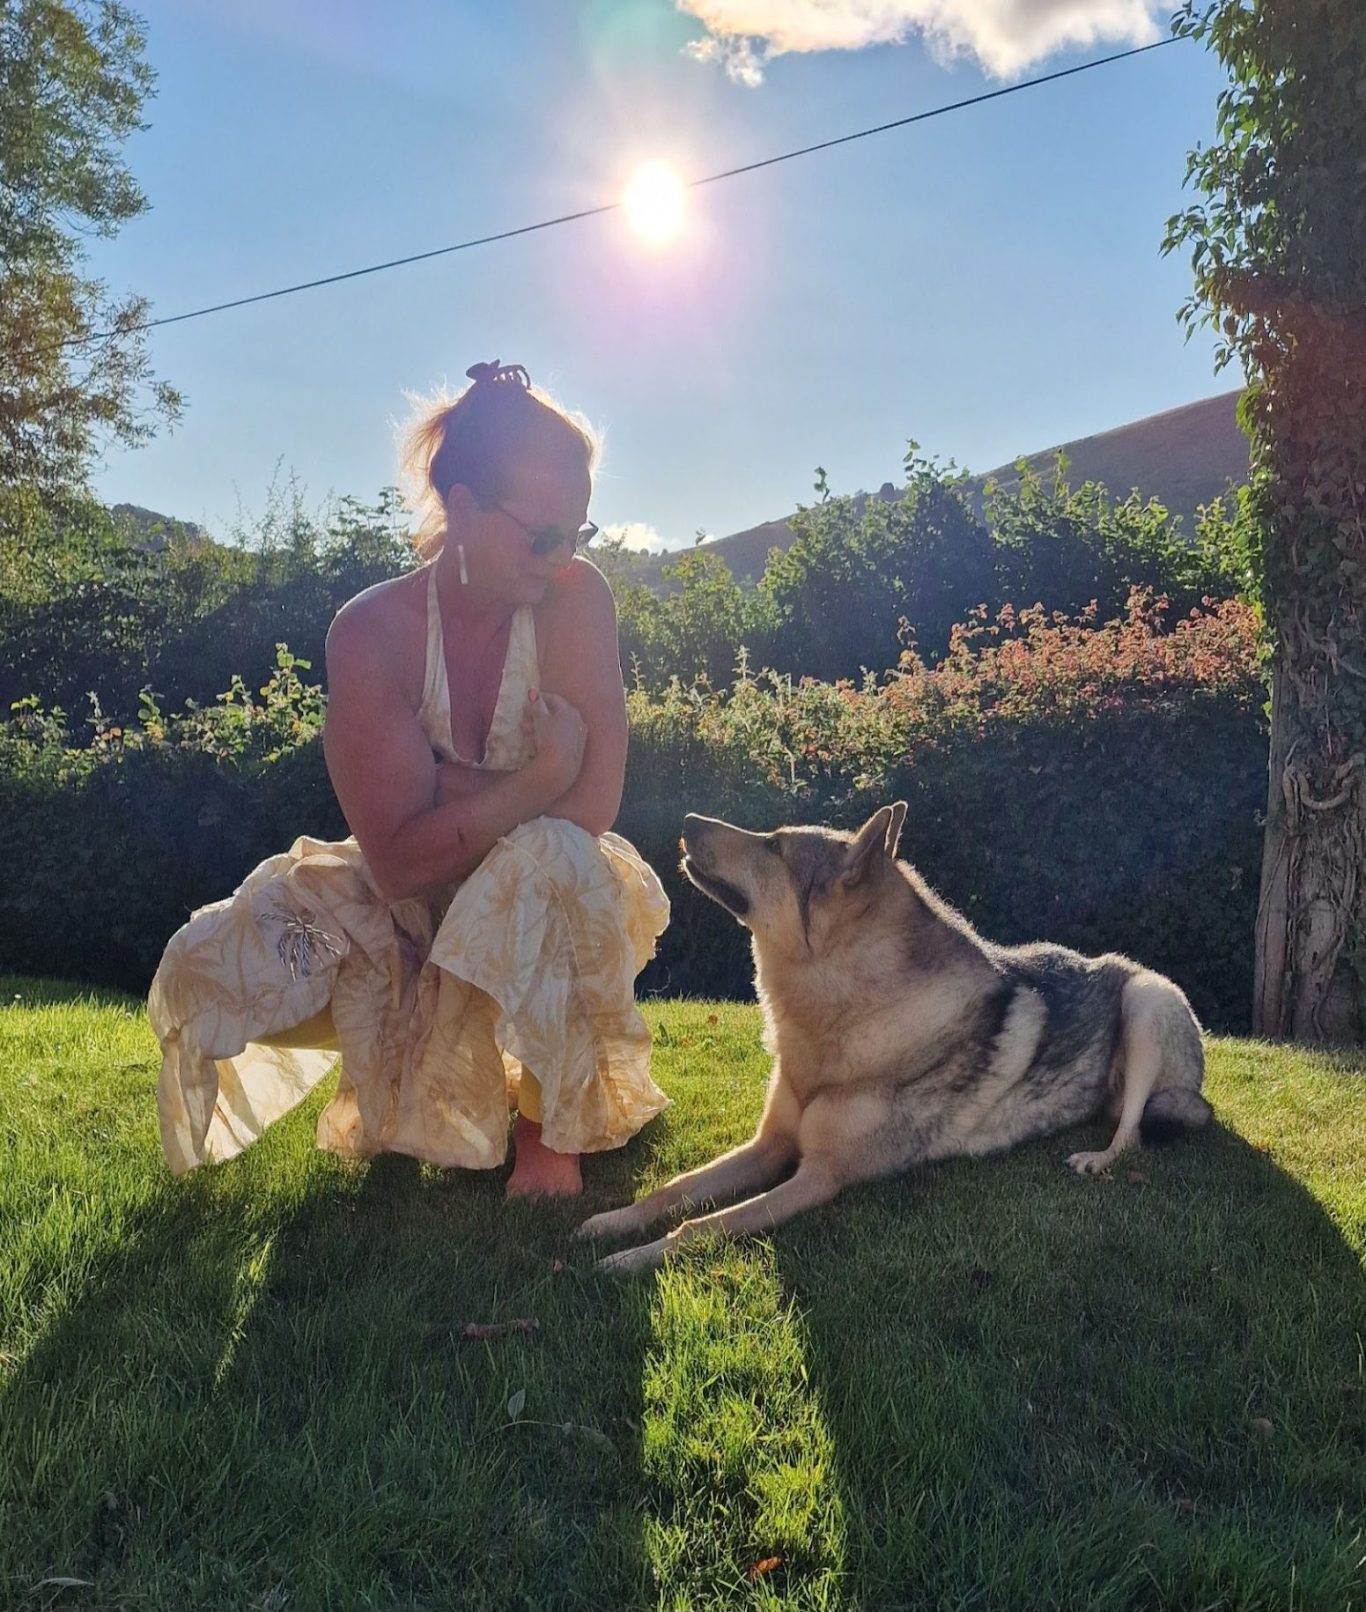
(1185, 457)
(150, 530)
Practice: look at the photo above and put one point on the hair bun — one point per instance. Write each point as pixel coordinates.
(486, 374)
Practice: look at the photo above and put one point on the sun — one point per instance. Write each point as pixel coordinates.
(654, 203)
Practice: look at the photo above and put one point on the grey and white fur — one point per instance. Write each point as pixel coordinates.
(900, 1035)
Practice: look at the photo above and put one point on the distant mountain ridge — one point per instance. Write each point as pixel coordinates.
(1184, 457)
(151, 530)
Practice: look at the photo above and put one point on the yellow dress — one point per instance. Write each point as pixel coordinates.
(435, 1005)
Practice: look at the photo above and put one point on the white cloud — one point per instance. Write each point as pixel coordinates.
(638, 535)
(1005, 36)
(741, 60)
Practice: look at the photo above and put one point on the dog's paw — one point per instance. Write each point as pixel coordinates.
(610, 1226)
(1090, 1163)
(634, 1261)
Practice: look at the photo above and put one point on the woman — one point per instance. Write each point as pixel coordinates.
(480, 933)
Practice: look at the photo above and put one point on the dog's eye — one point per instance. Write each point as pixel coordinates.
(774, 844)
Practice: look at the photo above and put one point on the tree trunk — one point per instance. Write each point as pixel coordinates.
(1273, 904)
(1311, 916)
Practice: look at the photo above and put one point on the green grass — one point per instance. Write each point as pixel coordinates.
(992, 1385)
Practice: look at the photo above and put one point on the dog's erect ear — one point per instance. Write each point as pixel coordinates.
(877, 838)
(894, 827)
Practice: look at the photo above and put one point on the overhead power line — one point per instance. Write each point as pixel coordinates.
(611, 207)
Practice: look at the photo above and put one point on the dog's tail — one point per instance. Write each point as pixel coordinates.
(1170, 1111)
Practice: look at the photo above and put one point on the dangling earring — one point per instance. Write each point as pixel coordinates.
(460, 555)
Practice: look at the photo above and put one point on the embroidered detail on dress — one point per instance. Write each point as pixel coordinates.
(298, 938)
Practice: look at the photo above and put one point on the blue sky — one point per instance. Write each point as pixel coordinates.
(988, 283)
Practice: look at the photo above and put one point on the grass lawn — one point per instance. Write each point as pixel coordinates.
(991, 1385)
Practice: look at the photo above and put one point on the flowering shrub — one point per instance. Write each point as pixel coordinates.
(111, 843)
(1035, 663)
(236, 728)
(803, 738)
(1097, 784)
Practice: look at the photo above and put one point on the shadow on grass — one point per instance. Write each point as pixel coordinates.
(1043, 1391)
(256, 1394)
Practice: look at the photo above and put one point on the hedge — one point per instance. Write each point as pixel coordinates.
(1100, 787)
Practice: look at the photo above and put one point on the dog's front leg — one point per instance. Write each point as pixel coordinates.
(758, 1163)
(814, 1181)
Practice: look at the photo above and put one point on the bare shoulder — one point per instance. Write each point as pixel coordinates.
(579, 602)
(377, 629)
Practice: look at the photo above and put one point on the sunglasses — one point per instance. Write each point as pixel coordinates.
(546, 539)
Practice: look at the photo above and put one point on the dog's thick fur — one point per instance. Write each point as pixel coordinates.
(900, 1035)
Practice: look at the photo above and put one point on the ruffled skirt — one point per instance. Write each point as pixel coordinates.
(435, 1007)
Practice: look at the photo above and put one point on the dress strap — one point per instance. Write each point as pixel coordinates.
(435, 711)
(434, 691)
(522, 656)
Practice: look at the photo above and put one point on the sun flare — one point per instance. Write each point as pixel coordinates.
(654, 203)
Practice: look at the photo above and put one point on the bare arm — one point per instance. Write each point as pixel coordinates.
(385, 775)
(456, 780)
(580, 662)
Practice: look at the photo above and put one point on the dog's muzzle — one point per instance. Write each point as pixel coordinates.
(696, 832)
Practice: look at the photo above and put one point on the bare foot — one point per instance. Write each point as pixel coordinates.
(539, 1170)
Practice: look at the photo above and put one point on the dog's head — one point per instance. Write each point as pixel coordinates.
(796, 888)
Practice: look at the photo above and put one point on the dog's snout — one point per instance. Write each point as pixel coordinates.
(694, 827)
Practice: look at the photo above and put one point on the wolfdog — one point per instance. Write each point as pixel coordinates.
(900, 1035)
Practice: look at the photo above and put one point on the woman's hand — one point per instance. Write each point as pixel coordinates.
(558, 735)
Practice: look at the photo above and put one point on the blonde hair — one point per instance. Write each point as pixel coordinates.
(471, 441)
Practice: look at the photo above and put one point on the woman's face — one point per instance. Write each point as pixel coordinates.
(545, 494)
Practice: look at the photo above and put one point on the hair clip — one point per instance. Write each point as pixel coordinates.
(483, 374)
